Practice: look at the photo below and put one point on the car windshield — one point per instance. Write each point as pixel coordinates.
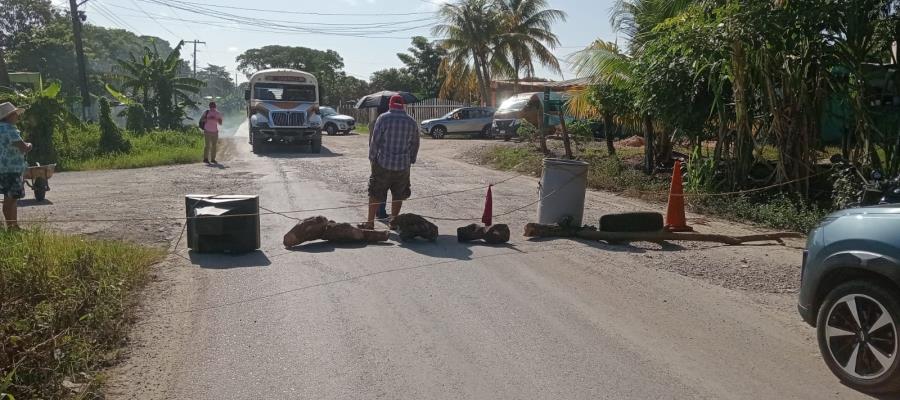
(327, 111)
(284, 92)
(513, 105)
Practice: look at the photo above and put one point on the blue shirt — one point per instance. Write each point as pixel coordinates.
(395, 141)
(12, 160)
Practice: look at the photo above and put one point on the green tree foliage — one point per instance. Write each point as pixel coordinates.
(47, 118)
(396, 79)
(18, 19)
(136, 118)
(111, 139)
(423, 63)
(325, 65)
(526, 37)
(347, 89)
(159, 83)
(469, 29)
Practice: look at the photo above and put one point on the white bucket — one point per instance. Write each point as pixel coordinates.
(563, 186)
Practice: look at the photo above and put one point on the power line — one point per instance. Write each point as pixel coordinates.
(307, 12)
(154, 19)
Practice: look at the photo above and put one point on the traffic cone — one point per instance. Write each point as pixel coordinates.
(488, 216)
(675, 219)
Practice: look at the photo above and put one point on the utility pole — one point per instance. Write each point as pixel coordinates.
(195, 42)
(78, 18)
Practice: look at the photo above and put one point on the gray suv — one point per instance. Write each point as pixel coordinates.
(334, 122)
(462, 120)
(850, 291)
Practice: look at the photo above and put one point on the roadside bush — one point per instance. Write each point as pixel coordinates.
(136, 119)
(64, 304)
(150, 149)
(111, 139)
(777, 211)
(38, 127)
(527, 131)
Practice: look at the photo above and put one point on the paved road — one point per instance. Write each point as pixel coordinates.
(532, 320)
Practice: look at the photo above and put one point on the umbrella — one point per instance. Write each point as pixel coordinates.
(380, 100)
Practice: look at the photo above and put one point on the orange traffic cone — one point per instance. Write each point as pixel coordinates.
(488, 216)
(675, 219)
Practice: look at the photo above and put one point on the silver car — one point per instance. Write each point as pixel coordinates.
(850, 291)
(462, 120)
(334, 122)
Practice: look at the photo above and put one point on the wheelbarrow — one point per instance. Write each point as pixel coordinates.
(38, 178)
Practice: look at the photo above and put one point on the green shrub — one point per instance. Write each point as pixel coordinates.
(527, 131)
(150, 149)
(111, 140)
(136, 119)
(39, 125)
(64, 303)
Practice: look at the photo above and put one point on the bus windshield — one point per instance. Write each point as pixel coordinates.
(284, 92)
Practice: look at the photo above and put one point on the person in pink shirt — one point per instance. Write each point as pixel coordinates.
(212, 119)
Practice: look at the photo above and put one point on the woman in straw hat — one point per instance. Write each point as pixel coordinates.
(12, 162)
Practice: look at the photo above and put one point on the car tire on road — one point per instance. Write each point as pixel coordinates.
(486, 132)
(632, 222)
(861, 347)
(316, 146)
(40, 189)
(438, 132)
(331, 129)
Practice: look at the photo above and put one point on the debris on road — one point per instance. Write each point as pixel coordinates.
(494, 234)
(539, 230)
(319, 227)
(410, 226)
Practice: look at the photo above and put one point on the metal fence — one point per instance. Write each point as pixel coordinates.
(420, 111)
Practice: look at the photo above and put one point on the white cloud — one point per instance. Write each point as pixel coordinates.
(233, 49)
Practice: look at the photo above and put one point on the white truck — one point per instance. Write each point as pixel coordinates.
(278, 104)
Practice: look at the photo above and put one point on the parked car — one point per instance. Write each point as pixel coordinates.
(462, 120)
(334, 122)
(524, 106)
(850, 291)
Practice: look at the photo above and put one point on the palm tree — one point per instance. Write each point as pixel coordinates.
(526, 36)
(159, 83)
(470, 30)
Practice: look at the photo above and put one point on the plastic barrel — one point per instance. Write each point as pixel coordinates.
(562, 191)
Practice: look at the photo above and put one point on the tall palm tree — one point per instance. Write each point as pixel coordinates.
(527, 36)
(470, 30)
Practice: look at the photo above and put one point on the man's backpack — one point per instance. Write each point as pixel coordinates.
(203, 119)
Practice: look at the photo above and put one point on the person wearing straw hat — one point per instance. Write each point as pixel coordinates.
(12, 162)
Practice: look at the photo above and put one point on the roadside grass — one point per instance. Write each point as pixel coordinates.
(621, 174)
(81, 151)
(64, 301)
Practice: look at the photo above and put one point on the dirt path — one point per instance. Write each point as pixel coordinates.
(534, 319)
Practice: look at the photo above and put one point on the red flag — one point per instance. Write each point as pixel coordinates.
(488, 215)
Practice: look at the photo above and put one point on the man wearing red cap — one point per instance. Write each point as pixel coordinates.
(393, 148)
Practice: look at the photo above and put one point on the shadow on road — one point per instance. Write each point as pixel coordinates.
(33, 203)
(330, 247)
(446, 246)
(228, 261)
(295, 151)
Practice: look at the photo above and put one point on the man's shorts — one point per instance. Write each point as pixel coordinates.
(12, 185)
(383, 180)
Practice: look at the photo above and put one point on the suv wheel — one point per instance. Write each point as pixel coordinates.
(857, 332)
(331, 129)
(438, 132)
(486, 132)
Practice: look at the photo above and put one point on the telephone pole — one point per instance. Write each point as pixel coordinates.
(78, 18)
(195, 42)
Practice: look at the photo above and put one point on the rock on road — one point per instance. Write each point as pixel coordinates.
(551, 319)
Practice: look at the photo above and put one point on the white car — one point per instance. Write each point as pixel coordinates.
(334, 122)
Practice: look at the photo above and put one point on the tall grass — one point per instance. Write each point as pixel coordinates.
(81, 150)
(64, 302)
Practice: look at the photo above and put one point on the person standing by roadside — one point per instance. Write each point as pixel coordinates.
(382, 207)
(12, 163)
(211, 119)
(393, 148)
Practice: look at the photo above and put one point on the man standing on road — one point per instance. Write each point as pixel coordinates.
(393, 149)
(212, 119)
(12, 163)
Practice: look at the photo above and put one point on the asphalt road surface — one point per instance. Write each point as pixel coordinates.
(549, 319)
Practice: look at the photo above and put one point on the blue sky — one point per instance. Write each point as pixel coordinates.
(587, 20)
